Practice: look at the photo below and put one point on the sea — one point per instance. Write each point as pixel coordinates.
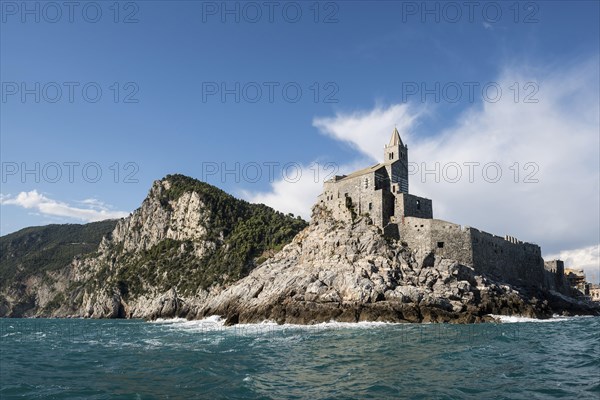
(519, 358)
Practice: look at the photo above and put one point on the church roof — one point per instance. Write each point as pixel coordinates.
(395, 139)
(364, 171)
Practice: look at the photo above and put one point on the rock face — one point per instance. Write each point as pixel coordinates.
(347, 271)
(187, 218)
(105, 285)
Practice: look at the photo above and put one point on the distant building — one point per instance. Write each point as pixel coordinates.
(595, 292)
(576, 280)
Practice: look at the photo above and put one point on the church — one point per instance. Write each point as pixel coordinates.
(380, 191)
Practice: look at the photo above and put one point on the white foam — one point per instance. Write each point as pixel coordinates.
(511, 319)
(167, 320)
(216, 323)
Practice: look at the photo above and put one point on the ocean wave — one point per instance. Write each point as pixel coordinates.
(511, 319)
(216, 322)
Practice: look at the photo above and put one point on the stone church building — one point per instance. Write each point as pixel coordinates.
(381, 193)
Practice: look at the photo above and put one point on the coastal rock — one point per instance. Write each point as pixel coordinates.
(352, 273)
(339, 268)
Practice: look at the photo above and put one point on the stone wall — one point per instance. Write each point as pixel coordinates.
(452, 241)
(554, 276)
(513, 262)
(446, 239)
(388, 205)
(366, 195)
(555, 266)
(416, 234)
(360, 195)
(409, 205)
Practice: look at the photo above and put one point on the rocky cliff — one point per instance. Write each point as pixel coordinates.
(186, 239)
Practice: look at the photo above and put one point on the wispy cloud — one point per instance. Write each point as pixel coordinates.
(368, 131)
(95, 210)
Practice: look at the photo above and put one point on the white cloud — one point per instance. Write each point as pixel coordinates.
(558, 135)
(96, 210)
(297, 195)
(369, 131)
(287, 196)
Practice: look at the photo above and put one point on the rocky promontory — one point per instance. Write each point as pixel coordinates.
(193, 251)
(347, 271)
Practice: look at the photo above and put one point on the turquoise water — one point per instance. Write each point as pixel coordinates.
(120, 359)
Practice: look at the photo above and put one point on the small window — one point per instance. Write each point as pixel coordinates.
(440, 245)
(370, 206)
(418, 204)
(391, 156)
(345, 194)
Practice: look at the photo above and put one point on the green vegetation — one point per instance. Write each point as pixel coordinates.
(47, 248)
(241, 231)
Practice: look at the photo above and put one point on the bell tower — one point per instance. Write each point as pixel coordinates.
(396, 163)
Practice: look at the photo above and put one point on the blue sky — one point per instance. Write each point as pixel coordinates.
(362, 67)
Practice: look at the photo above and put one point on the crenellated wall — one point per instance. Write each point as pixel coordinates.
(510, 261)
(514, 261)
